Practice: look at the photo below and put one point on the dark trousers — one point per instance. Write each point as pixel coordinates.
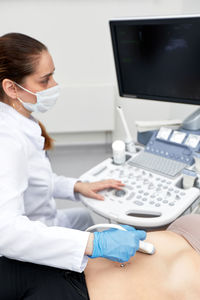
(27, 281)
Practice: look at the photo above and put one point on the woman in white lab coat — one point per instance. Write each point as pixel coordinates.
(35, 238)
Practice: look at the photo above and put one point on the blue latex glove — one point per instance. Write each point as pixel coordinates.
(116, 244)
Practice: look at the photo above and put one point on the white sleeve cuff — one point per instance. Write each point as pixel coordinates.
(64, 187)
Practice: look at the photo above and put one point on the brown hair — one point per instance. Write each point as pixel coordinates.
(19, 55)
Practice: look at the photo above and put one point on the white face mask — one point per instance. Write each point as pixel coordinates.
(46, 99)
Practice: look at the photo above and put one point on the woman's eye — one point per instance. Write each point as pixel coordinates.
(45, 81)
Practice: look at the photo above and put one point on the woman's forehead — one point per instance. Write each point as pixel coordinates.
(45, 64)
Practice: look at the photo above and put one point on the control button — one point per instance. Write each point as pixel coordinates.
(139, 197)
(138, 186)
(163, 180)
(160, 185)
(151, 202)
(166, 153)
(140, 191)
(129, 187)
(131, 195)
(144, 199)
(187, 151)
(138, 203)
(165, 201)
(146, 194)
(121, 176)
(158, 190)
(151, 186)
(159, 199)
(182, 194)
(146, 181)
(158, 178)
(178, 197)
(168, 194)
(157, 204)
(171, 189)
(120, 193)
(171, 203)
(162, 152)
(165, 187)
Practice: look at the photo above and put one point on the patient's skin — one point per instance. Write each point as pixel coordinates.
(173, 272)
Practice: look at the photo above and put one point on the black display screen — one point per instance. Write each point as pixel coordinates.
(158, 58)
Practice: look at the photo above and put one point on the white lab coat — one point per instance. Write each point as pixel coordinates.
(27, 190)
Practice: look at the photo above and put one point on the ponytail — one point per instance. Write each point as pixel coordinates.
(49, 142)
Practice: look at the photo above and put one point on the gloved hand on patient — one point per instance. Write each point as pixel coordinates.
(117, 245)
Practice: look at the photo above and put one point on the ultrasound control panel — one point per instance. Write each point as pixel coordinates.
(148, 200)
(153, 195)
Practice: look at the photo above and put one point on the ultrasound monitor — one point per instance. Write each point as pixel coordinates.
(158, 58)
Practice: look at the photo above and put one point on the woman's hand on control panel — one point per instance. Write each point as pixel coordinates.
(91, 189)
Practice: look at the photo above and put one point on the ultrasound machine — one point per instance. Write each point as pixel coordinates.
(156, 58)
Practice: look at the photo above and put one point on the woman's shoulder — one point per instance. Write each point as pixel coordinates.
(11, 137)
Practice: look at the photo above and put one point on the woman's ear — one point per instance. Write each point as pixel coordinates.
(9, 88)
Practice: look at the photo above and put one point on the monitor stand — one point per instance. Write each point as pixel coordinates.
(192, 122)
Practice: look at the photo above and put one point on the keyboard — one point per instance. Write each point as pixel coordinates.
(157, 164)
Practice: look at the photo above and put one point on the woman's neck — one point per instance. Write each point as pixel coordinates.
(16, 105)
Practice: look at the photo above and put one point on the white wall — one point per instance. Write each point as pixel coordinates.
(77, 35)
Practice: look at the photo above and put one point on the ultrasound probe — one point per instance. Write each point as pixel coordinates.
(144, 247)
